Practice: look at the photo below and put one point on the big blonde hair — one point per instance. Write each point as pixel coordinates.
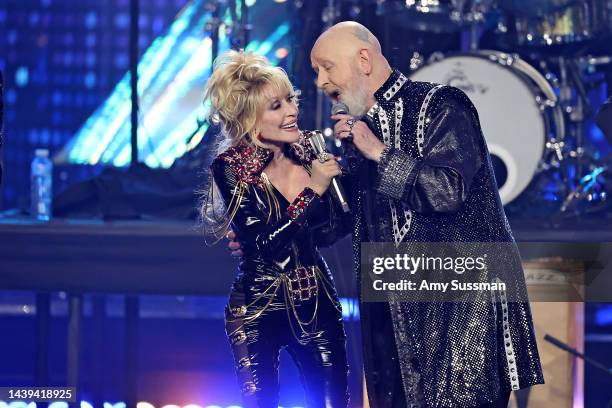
(237, 90)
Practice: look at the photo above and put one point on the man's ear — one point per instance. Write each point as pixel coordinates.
(365, 61)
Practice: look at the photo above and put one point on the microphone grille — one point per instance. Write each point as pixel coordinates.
(317, 142)
(338, 108)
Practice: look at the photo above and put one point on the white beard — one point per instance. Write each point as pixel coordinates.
(356, 98)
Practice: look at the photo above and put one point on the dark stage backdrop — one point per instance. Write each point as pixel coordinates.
(61, 59)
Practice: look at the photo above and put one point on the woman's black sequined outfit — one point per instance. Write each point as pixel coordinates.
(284, 295)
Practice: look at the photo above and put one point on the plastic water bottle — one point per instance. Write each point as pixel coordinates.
(41, 182)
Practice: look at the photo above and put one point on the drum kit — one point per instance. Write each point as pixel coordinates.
(533, 92)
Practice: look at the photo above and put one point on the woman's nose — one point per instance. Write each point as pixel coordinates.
(292, 109)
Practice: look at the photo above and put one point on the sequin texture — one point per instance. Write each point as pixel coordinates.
(438, 186)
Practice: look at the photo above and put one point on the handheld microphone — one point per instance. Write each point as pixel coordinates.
(318, 145)
(339, 108)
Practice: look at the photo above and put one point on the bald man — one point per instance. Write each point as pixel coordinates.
(423, 174)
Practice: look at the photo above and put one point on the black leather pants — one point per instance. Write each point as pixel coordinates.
(257, 339)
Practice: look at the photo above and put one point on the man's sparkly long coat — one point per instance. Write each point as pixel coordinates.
(436, 184)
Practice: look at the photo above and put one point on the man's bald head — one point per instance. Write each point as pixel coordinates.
(351, 35)
(349, 64)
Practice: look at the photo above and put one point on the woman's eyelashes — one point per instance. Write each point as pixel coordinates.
(290, 98)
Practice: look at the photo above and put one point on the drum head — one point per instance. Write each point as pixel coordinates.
(513, 126)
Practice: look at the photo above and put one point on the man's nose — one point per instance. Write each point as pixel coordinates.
(321, 80)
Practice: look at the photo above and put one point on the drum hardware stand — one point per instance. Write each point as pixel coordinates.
(239, 38)
(582, 190)
(237, 30)
(240, 28)
(213, 24)
(555, 147)
(416, 61)
(553, 155)
(475, 17)
(577, 113)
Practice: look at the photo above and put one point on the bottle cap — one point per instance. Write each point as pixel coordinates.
(41, 153)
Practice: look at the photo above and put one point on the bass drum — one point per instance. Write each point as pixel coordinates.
(517, 107)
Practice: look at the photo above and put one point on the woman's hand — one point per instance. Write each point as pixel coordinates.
(234, 245)
(322, 173)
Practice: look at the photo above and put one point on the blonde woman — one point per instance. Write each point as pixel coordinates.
(273, 191)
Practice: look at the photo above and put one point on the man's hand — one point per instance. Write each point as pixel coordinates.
(234, 246)
(363, 138)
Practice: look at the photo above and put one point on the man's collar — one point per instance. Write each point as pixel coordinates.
(372, 113)
(391, 86)
(387, 91)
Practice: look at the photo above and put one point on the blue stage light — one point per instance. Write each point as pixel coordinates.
(11, 97)
(91, 19)
(11, 37)
(596, 133)
(603, 316)
(122, 20)
(172, 74)
(90, 40)
(90, 79)
(350, 308)
(22, 76)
